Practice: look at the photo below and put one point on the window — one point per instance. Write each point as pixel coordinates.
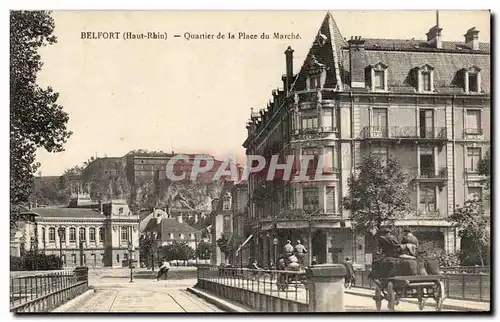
(328, 120)
(120, 211)
(473, 157)
(92, 234)
(378, 80)
(382, 153)
(427, 168)
(125, 256)
(181, 236)
(473, 122)
(309, 122)
(315, 81)
(117, 258)
(473, 82)
(472, 79)
(310, 199)
(191, 236)
(124, 234)
(330, 200)
(81, 234)
(474, 193)
(72, 234)
(379, 122)
(63, 259)
(43, 234)
(426, 119)
(73, 257)
(227, 224)
(62, 234)
(427, 199)
(52, 234)
(84, 259)
(426, 82)
(101, 235)
(170, 236)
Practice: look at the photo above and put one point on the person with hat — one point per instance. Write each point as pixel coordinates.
(300, 252)
(350, 277)
(387, 264)
(408, 264)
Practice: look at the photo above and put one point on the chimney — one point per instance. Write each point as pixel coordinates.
(100, 207)
(434, 35)
(179, 218)
(356, 59)
(289, 68)
(472, 38)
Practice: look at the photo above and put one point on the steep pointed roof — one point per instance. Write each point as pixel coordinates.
(326, 50)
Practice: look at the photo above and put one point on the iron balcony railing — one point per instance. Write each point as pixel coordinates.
(403, 132)
(432, 173)
(315, 130)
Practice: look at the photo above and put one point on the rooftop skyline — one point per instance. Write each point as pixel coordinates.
(193, 96)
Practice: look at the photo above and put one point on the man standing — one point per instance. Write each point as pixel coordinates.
(288, 249)
(349, 275)
(301, 252)
(165, 266)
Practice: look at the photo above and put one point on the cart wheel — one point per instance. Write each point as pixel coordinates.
(421, 303)
(391, 296)
(440, 297)
(378, 298)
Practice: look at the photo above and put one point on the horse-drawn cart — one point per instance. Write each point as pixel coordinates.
(421, 287)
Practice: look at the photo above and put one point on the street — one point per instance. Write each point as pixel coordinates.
(119, 295)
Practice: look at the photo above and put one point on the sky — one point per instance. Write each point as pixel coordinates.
(192, 96)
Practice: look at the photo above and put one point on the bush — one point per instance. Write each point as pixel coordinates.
(32, 261)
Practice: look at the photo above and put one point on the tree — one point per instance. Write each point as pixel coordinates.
(484, 168)
(36, 120)
(474, 226)
(203, 250)
(224, 246)
(378, 193)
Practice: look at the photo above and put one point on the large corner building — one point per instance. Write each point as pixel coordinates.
(426, 102)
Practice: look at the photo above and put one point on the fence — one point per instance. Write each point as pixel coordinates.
(459, 286)
(263, 290)
(45, 292)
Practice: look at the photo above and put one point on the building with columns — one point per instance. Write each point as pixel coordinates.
(426, 102)
(104, 231)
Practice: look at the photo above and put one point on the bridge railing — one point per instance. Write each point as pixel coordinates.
(45, 292)
(459, 285)
(258, 289)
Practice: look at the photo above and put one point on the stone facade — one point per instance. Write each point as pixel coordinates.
(97, 234)
(425, 102)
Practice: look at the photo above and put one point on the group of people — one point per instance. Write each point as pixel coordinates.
(399, 258)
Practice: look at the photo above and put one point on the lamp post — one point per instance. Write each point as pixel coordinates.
(60, 232)
(81, 253)
(130, 252)
(275, 243)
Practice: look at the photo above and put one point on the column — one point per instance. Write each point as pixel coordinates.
(326, 287)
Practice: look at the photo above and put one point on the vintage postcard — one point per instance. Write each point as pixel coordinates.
(250, 161)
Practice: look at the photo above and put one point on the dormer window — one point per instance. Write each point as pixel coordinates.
(317, 74)
(378, 77)
(315, 81)
(472, 80)
(425, 77)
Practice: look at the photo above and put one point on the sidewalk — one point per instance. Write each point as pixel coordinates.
(449, 304)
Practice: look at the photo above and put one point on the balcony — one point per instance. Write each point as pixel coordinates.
(313, 133)
(412, 133)
(430, 175)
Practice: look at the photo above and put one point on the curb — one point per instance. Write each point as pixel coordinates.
(80, 298)
(445, 306)
(223, 305)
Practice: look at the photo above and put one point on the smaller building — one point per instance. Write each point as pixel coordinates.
(86, 232)
(170, 230)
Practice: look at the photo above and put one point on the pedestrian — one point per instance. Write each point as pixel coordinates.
(350, 277)
(164, 268)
